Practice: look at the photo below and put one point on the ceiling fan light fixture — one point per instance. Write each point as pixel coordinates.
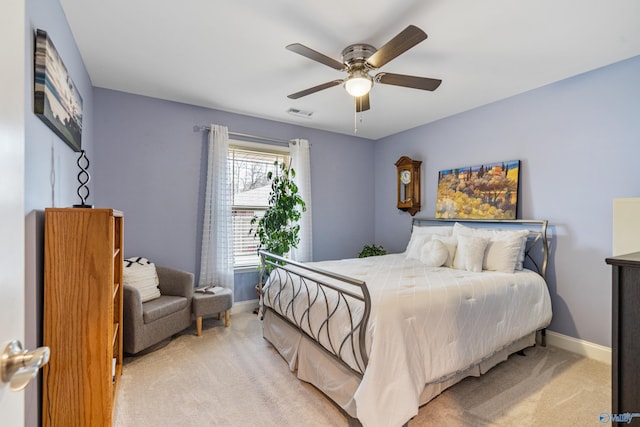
(358, 83)
(358, 60)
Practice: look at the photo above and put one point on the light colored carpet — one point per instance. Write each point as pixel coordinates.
(233, 377)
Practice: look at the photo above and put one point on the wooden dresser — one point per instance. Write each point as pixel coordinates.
(625, 338)
(82, 316)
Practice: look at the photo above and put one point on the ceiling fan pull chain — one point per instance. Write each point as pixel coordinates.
(355, 121)
(358, 101)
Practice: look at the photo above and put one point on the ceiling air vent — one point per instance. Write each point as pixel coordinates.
(300, 113)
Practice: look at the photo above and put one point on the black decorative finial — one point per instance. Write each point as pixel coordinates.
(83, 179)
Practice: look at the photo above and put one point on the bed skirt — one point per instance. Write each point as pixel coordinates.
(314, 366)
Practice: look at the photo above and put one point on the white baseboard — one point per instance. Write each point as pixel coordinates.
(583, 348)
(244, 306)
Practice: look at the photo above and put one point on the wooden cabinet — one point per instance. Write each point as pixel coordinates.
(82, 316)
(625, 338)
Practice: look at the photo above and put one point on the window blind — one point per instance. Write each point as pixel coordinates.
(251, 189)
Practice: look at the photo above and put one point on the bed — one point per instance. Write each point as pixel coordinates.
(381, 336)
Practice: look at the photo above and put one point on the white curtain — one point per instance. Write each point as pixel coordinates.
(216, 265)
(299, 151)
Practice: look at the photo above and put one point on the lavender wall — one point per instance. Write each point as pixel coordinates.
(577, 140)
(150, 164)
(579, 143)
(50, 178)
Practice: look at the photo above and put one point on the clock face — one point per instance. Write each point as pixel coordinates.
(405, 177)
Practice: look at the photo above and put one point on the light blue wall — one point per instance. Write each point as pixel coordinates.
(150, 164)
(579, 143)
(51, 169)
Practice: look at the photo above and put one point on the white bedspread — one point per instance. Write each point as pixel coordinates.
(427, 324)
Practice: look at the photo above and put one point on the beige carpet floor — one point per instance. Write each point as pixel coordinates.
(233, 377)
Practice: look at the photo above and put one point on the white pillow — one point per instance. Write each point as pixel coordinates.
(470, 253)
(503, 254)
(141, 274)
(415, 245)
(417, 232)
(451, 243)
(506, 249)
(434, 253)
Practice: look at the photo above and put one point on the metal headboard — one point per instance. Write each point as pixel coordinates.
(537, 250)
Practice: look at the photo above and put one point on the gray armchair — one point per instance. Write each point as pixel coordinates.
(146, 324)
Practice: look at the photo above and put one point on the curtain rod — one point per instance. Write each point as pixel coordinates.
(245, 135)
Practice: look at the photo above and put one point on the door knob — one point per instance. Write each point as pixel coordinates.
(19, 366)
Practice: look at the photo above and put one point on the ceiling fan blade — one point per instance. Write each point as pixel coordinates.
(405, 40)
(314, 89)
(414, 82)
(362, 103)
(316, 56)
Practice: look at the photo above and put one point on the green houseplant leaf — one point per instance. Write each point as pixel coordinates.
(371, 250)
(277, 231)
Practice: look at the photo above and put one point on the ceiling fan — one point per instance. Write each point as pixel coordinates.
(359, 59)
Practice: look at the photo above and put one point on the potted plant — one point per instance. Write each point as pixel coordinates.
(278, 230)
(371, 250)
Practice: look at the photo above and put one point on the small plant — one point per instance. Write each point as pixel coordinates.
(371, 250)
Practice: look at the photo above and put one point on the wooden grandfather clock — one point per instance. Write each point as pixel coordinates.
(408, 184)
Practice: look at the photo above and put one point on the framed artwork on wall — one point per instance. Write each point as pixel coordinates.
(56, 98)
(488, 191)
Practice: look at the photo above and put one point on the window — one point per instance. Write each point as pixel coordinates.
(250, 164)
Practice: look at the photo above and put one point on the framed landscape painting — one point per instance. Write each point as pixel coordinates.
(488, 191)
(56, 99)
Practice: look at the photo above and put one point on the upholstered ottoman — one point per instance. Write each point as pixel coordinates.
(206, 304)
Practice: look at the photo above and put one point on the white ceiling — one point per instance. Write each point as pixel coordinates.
(230, 55)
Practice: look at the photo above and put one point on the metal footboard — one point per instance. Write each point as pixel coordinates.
(317, 302)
